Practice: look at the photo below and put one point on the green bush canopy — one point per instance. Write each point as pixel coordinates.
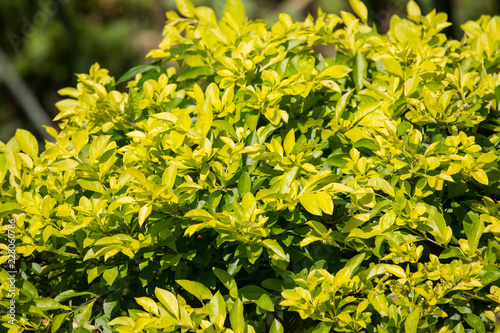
(249, 182)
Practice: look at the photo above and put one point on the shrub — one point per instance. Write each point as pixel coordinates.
(246, 183)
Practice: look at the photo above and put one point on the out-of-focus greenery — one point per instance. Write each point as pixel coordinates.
(49, 40)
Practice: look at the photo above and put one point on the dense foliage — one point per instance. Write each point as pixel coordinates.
(245, 183)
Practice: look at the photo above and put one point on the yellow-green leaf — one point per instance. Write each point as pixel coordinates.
(411, 323)
(276, 327)
(27, 142)
(393, 66)
(289, 142)
(325, 202)
(413, 11)
(218, 308)
(310, 203)
(186, 8)
(205, 118)
(237, 318)
(148, 304)
(80, 139)
(169, 176)
(396, 270)
(335, 72)
(480, 176)
(274, 248)
(196, 289)
(169, 300)
(237, 11)
(144, 213)
(360, 9)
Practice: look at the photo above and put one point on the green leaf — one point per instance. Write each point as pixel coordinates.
(237, 318)
(379, 302)
(355, 221)
(354, 263)
(244, 184)
(27, 142)
(227, 280)
(251, 292)
(131, 73)
(218, 307)
(124, 321)
(57, 321)
(97, 148)
(199, 215)
(195, 73)
(403, 32)
(322, 328)
(273, 284)
(474, 234)
(111, 304)
(168, 300)
(205, 118)
(94, 272)
(366, 143)
(110, 275)
(497, 98)
(492, 273)
(276, 327)
(287, 180)
(80, 139)
(438, 224)
(411, 323)
(460, 328)
(318, 227)
(381, 184)
(169, 176)
(475, 322)
(10, 207)
(83, 314)
(46, 304)
(359, 70)
(274, 249)
(196, 289)
(265, 302)
(29, 290)
(224, 125)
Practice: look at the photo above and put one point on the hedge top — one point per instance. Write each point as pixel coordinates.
(251, 184)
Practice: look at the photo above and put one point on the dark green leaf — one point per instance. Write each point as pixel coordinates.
(131, 73)
(227, 280)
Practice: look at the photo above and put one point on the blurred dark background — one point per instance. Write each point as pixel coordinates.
(44, 42)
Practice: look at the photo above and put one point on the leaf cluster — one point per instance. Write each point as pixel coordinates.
(246, 183)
